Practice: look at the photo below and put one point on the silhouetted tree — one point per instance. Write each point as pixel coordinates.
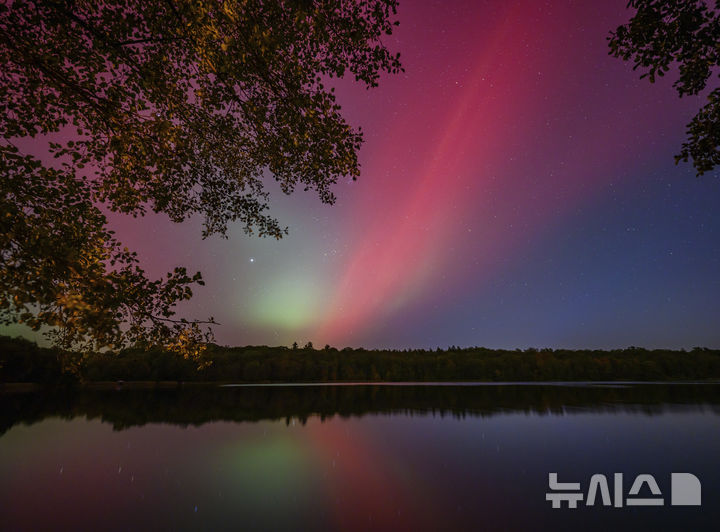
(166, 105)
(686, 33)
(23, 361)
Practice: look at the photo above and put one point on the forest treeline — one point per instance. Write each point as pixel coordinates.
(24, 361)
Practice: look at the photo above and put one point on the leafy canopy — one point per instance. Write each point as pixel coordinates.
(178, 107)
(663, 33)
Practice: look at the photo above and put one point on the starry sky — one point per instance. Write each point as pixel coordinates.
(518, 189)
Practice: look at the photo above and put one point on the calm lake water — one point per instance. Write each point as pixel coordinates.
(353, 457)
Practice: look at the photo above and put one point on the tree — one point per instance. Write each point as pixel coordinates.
(663, 33)
(182, 108)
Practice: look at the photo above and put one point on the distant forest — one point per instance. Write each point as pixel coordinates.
(24, 361)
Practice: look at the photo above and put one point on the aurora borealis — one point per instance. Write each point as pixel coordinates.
(518, 189)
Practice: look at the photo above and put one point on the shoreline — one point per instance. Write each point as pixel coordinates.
(31, 387)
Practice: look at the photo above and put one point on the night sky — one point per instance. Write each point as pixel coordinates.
(518, 189)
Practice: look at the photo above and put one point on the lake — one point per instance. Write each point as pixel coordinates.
(356, 457)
